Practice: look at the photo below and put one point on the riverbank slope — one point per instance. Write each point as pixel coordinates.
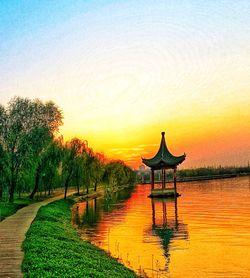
(52, 248)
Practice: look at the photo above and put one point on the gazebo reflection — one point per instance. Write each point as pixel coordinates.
(164, 221)
(166, 225)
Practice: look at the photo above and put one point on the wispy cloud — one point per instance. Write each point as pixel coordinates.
(118, 150)
(147, 145)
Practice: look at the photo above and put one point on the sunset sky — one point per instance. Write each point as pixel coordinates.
(123, 71)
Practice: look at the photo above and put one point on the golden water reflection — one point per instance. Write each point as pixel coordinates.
(205, 233)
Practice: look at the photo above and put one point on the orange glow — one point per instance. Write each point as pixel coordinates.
(210, 139)
(210, 234)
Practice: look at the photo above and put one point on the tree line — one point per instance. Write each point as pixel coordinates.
(208, 171)
(213, 171)
(34, 157)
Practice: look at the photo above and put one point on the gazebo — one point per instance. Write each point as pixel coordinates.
(161, 161)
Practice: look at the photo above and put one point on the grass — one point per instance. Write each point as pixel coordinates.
(7, 209)
(52, 248)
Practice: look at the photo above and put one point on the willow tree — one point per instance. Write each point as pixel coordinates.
(97, 168)
(51, 164)
(3, 160)
(46, 162)
(3, 173)
(118, 174)
(27, 127)
(73, 163)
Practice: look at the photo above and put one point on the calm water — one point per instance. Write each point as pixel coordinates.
(206, 233)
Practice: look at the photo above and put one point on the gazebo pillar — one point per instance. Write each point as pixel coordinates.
(152, 179)
(175, 182)
(153, 212)
(164, 178)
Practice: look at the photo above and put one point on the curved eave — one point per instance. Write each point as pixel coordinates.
(169, 162)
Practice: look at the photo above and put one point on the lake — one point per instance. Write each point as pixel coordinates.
(205, 233)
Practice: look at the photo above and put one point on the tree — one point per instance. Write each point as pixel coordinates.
(52, 163)
(3, 154)
(73, 161)
(118, 174)
(47, 164)
(32, 157)
(26, 128)
(3, 174)
(97, 169)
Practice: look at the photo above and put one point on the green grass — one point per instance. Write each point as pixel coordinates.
(7, 209)
(53, 248)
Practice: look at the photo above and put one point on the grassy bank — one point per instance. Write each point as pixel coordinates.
(53, 248)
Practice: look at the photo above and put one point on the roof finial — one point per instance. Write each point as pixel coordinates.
(163, 133)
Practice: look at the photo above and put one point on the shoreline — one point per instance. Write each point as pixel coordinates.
(66, 253)
(95, 194)
(85, 197)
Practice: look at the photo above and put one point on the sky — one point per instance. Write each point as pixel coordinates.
(123, 71)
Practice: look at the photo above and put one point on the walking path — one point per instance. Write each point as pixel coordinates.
(12, 234)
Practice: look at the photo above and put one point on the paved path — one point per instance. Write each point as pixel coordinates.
(12, 234)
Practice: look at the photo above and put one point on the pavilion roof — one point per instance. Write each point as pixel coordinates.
(163, 158)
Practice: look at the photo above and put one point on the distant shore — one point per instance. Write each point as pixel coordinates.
(201, 178)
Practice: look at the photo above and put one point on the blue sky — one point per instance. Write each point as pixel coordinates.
(133, 66)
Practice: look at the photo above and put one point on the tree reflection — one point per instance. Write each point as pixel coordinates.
(88, 213)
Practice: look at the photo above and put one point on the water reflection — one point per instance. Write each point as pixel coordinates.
(166, 227)
(205, 233)
(120, 224)
(88, 213)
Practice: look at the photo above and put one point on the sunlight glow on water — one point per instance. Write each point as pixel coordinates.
(205, 234)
